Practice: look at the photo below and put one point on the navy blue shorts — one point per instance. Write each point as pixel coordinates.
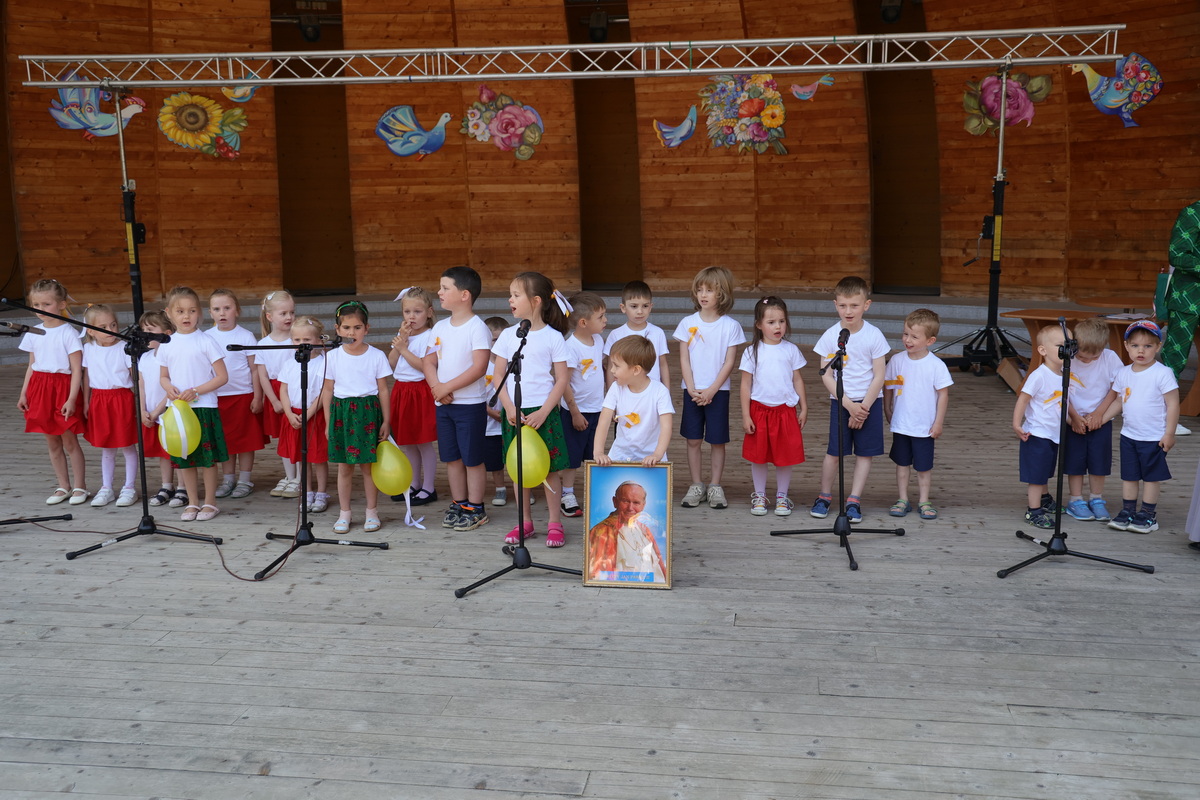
(493, 453)
(579, 443)
(710, 422)
(461, 433)
(865, 441)
(1143, 461)
(1089, 453)
(1039, 458)
(912, 451)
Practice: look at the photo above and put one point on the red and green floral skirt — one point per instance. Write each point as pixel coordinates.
(354, 424)
(212, 448)
(551, 433)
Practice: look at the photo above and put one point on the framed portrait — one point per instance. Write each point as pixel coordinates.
(628, 516)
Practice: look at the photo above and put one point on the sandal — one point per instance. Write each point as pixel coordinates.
(372, 523)
(179, 498)
(241, 489)
(189, 513)
(514, 536)
(57, 496)
(207, 512)
(555, 536)
(161, 498)
(927, 510)
(900, 508)
(342, 525)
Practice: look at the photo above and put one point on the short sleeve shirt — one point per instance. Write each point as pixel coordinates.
(543, 349)
(189, 360)
(772, 366)
(915, 384)
(707, 344)
(455, 346)
(655, 334)
(1143, 409)
(586, 363)
(862, 349)
(1044, 414)
(237, 362)
(636, 418)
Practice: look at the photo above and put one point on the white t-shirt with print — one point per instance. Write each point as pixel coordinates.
(544, 348)
(862, 349)
(636, 419)
(1043, 415)
(915, 384)
(1143, 409)
(655, 334)
(707, 344)
(1091, 382)
(586, 363)
(455, 346)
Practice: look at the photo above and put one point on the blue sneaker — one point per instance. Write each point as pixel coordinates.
(1079, 510)
(1099, 510)
(853, 512)
(1121, 521)
(820, 508)
(1142, 523)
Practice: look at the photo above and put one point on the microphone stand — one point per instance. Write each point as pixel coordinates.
(1057, 546)
(841, 525)
(304, 535)
(137, 342)
(521, 559)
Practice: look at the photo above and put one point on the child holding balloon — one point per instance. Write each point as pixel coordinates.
(193, 368)
(354, 398)
(533, 298)
(306, 330)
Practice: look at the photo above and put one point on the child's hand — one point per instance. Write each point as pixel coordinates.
(1168, 441)
(1079, 426)
(173, 393)
(649, 461)
(492, 412)
(696, 397)
(23, 403)
(511, 415)
(708, 394)
(1023, 435)
(747, 424)
(935, 431)
(68, 408)
(578, 421)
(276, 405)
(147, 421)
(292, 418)
(385, 430)
(603, 460)
(438, 390)
(535, 419)
(803, 416)
(256, 405)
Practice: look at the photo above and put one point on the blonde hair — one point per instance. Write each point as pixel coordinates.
(182, 291)
(226, 293)
(53, 287)
(309, 322)
(926, 319)
(90, 315)
(1092, 335)
(1044, 334)
(425, 296)
(720, 280)
(268, 298)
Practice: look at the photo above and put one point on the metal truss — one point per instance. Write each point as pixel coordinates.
(636, 60)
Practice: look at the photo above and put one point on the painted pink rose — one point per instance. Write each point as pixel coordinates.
(486, 95)
(509, 124)
(1131, 69)
(1136, 97)
(757, 132)
(1020, 107)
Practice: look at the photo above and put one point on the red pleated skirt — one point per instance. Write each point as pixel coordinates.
(413, 414)
(243, 428)
(111, 421)
(318, 441)
(272, 423)
(46, 394)
(776, 439)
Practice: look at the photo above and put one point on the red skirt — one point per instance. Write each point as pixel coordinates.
(243, 428)
(272, 422)
(46, 394)
(111, 421)
(414, 415)
(152, 446)
(318, 441)
(776, 439)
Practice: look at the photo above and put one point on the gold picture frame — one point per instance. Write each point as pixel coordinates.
(628, 541)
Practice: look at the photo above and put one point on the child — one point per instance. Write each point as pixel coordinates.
(637, 301)
(193, 368)
(354, 398)
(454, 367)
(306, 330)
(916, 394)
(1089, 443)
(708, 350)
(772, 395)
(240, 401)
(50, 394)
(861, 427)
(1148, 397)
(108, 405)
(493, 456)
(641, 407)
(275, 320)
(585, 391)
(532, 297)
(1036, 420)
(152, 403)
(413, 413)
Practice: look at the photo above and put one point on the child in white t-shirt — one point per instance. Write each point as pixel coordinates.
(1089, 441)
(639, 407)
(637, 301)
(1036, 419)
(584, 396)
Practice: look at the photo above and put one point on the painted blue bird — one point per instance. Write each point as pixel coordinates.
(807, 92)
(675, 135)
(398, 127)
(79, 108)
(1136, 83)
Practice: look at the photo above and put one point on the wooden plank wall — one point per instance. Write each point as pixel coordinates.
(207, 220)
(1090, 203)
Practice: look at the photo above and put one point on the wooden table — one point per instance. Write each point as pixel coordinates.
(1126, 303)
(1037, 318)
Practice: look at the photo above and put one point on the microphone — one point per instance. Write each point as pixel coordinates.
(523, 328)
(19, 328)
(843, 337)
(333, 340)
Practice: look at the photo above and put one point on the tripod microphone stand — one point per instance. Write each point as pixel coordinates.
(841, 525)
(521, 558)
(137, 342)
(304, 535)
(1057, 546)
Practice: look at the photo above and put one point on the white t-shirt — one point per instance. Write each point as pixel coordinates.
(51, 352)
(418, 345)
(237, 362)
(916, 384)
(862, 349)
(544, 348)
(493, 425)
(273, 360)
(636, 419)
(107, 367)
(356, 376)
(586, 363)
(289, 376)
(455, 346)
(1044, 412)
(189, 360)
(150, 373)
(772, 372)
(1090, 382)
(655, 334)
(1143, 410)
(707, 344)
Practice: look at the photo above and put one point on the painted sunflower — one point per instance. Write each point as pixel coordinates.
(190, 120)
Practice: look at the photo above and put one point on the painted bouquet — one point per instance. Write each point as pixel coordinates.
(744, 111)
(506, 123)
(981, 101)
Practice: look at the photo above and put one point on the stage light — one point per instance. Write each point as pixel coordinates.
(890, 10)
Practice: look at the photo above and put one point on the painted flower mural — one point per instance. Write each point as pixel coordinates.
(981, 101)
(505, 122)
(744, 111)
(196, 122)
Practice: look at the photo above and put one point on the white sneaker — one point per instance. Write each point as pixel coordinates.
(280, 487)
(1181, 431)
(291, 489)
(716, 497)
(128, 497)
(695, 495)
(103, 498)
(501, 496)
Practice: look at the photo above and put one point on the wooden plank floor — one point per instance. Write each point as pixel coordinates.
(769, 671)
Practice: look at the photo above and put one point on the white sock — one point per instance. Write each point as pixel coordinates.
(108, 465)
(289, 469)
(244, 477)
(568, 490)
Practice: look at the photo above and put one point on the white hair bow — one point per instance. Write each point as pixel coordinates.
(406, 291)
(563, 305)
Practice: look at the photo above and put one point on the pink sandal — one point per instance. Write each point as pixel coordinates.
(555, 536)
(514, 536)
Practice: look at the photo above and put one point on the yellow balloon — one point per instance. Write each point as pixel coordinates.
(179, 433)
(392, 472)
(536, 457)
